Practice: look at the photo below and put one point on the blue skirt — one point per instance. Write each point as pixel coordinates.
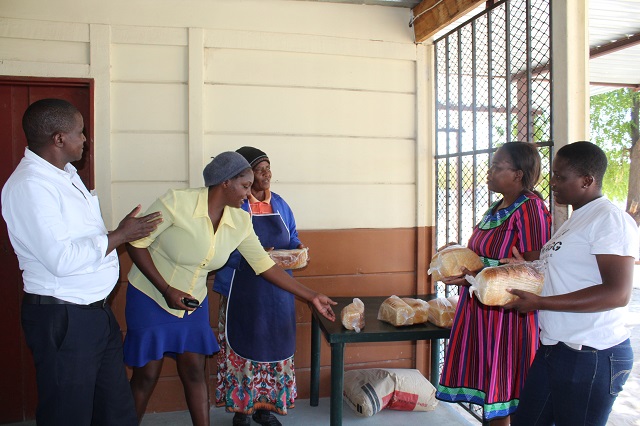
(153, 332)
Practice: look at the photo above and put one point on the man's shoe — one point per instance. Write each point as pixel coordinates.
(265, 418)
(240, 419)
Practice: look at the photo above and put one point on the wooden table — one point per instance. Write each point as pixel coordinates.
(374, 331)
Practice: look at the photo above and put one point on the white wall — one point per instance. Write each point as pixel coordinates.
(327, 90)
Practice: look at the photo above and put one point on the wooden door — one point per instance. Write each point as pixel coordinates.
(18, 396)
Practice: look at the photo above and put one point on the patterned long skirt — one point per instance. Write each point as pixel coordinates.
(245, 386)
(489, 353)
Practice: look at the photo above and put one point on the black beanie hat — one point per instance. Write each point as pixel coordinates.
(252, 155)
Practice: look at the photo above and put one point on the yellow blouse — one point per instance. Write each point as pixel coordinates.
(185, 248)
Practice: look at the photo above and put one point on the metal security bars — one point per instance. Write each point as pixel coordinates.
(493, 86)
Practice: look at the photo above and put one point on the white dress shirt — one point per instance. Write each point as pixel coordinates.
(57, 232)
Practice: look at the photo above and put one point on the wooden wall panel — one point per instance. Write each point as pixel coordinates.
(297, 69)
(167, 151)
(135, 62)
(149, 107)
(64, 52)
(303, 111)
(299, 161)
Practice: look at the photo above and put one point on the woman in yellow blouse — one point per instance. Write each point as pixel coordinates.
(201, 227)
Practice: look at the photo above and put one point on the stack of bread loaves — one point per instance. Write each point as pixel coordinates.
(491, 284)
(396, 311)
(449, 262)
(403, 311)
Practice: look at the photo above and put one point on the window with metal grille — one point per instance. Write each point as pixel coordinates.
(493, 86)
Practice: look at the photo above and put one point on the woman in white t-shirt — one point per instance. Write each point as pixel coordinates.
(585, 355)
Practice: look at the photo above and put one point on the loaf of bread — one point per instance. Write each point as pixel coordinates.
(290, 259)
(491, 284)
(352, 315)
(395, 311)
(449, 262)
(454, 301)
(441, 312)
(420, 309)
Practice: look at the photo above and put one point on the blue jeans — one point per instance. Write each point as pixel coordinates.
(573, 387)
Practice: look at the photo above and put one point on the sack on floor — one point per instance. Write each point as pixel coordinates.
(371, 390)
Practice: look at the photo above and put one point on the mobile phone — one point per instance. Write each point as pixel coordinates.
(192, 303)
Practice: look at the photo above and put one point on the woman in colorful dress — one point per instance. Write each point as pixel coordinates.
(201, 227)
(491, 348)
(257, 322)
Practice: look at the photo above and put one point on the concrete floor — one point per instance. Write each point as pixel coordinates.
(305, 415)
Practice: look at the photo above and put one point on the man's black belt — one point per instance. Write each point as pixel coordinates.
(36, 299)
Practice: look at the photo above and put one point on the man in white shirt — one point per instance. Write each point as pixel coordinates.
(70, 266)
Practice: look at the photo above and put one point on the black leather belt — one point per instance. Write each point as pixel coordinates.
(36, 299)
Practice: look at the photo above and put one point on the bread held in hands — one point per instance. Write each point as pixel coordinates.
(449, 262)
(491, 284)
(290, 259)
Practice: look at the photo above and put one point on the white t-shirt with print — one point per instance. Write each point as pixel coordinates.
(598, 227)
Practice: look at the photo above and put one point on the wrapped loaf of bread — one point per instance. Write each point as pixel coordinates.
(449, 262)
(290, 259)
(420, 309)
(454, 301)
(441, 312)
(395, 311)
(491, 284)
(352, 315)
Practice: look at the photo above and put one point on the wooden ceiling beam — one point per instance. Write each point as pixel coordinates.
(614, 46)
(430, 16)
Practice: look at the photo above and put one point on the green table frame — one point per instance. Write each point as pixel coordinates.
(374, 331)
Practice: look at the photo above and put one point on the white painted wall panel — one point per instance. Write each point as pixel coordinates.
(61, 52)
(328, 90)
(44, 30)
(146, 107)
(132, 62)
(127, 195)
(233, 109)
(292, 17)
(331, 160)
(125, 34)
(351, 206)
(288, 69)
(149, 157)
(308, 43)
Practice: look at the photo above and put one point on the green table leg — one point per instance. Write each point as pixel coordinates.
(337, 382)
(435, 362)
(315, 362)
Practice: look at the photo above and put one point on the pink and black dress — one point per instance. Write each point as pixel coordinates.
(490, 348)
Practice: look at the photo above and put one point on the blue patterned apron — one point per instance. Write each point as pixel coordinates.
(261, 318)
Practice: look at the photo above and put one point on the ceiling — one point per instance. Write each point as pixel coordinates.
(614, 40)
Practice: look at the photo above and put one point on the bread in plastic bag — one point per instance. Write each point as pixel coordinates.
(449, 262)
(290, 259)
(352, 315)
(441, 312)
(395, 311)
(420, 309)
(491, 284)
(454, 301)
